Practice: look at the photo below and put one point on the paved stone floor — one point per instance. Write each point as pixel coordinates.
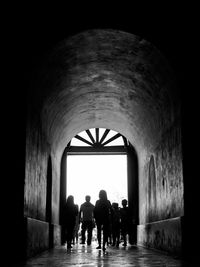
(89, 256)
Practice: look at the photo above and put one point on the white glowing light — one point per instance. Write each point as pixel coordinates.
(87, 175)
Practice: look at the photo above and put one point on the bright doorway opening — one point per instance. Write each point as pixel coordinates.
(88, 174)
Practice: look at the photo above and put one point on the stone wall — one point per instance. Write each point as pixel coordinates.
(40, 234)
(161, 194)
(36, 173)
(165, 235)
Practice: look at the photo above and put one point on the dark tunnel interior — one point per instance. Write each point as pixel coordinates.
(134, 74)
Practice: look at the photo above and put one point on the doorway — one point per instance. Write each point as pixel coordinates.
(99, 145)
(88, 174)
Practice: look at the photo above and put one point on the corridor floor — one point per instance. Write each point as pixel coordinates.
(89, 256)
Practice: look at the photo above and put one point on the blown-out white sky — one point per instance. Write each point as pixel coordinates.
(87, 175)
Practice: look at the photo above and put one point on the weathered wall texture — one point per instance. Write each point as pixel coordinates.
(161, 195)
(37, 236)
(37, 153)
(161, 182)
(36, 174)
(164, 235)
(55, 190)
(169, 174)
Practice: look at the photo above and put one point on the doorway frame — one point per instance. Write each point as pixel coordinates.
(132, 175)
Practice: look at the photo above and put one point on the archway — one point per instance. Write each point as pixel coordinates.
(98, 146)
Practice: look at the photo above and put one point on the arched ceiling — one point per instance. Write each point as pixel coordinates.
(109, 79)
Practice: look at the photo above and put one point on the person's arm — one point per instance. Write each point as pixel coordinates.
(95, 210)
(76, 209)
(80, 213)
(110, 207)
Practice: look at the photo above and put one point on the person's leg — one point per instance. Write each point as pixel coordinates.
(123, 232)
(83, 229)
(117, 235)
(90, 228)
(105, 235)
(73, 237)
(76, 237)
(113, 235)
(114, 239)
(124, 237)
(99, 235)
(70, 229)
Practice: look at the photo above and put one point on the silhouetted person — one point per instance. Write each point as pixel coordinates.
(115, 224)
(125, 221)
(71, 211)
(76, 230)
(102, 212)
(86, 216)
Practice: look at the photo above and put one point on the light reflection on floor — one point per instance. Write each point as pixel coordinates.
(89, 256)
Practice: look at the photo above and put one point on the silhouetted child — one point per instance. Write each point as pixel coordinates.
(125, 221)
(115, 224)
(76, 230)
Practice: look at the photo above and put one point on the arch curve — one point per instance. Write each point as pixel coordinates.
(109, 79)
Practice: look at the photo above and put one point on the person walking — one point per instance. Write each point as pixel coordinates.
(125, 221)
(102, 213)
(86, 216)
(76, 230)
(71, 211)
(115, 224)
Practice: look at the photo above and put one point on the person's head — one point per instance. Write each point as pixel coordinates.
(70, 200)
(102, 195)
(124, 202)
(87, 198)
(115, 205)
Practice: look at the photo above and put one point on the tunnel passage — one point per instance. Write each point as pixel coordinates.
(116, 80)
